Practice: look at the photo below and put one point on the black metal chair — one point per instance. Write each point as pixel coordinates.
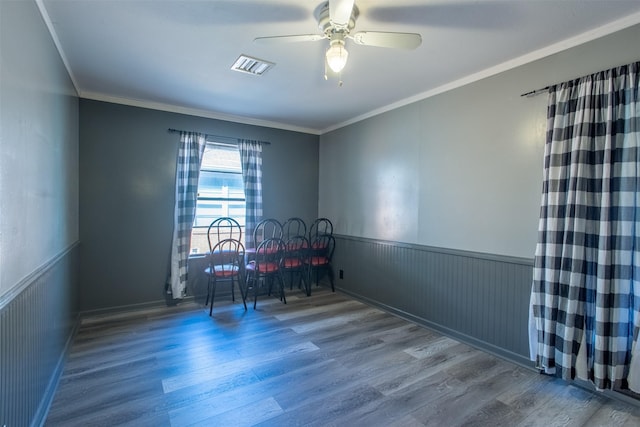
(221, 229)
(295, 261)
(266, 268)
(265, 229)
(293, 227)
(226, 263)
(319, 227)
(319, 259)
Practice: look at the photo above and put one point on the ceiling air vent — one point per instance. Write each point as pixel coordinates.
(255, 66)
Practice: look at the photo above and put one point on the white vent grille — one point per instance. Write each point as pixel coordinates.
(249, 65)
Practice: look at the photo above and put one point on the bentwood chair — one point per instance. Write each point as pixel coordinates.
(226, 263)
(294, 261)
(319, 227)
(265, 229)
(319, 259)
(293, 227)
(223, 228)
(265, 269)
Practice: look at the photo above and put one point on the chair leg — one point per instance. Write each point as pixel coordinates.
(282, 297)
(213, 294)
(281, 286)
(244, 299)
(255, 294)
(206, 303)
(233, 294)
(252, 281)
(330, 274)
(305, 281)
(308, 275)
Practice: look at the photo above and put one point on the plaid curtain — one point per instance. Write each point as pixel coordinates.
(585, 299)
(187, 173)
(251, 158)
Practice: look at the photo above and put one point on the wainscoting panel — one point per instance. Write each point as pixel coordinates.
(35, 326)
(481, 299)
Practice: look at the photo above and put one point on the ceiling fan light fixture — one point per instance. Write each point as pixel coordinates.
(337, 55)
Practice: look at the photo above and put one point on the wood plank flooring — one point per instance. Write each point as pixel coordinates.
(324, 360)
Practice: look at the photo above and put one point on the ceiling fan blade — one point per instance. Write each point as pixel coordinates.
(383, 39)
(289, 39)
(340, 12)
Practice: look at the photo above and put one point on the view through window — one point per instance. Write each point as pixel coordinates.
(220, 192)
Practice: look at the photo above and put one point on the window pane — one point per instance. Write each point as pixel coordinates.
(236, 211)
(220, 184)
(222, 158)
(220, 192)
(207, 211)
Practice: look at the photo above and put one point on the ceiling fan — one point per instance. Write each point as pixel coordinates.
(336, 19)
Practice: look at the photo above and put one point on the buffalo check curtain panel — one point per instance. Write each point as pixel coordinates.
(251, 158)
(187, 173)
(585, 299)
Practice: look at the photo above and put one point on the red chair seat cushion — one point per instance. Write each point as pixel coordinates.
(292, 263)
(223, 271)
(263, 267)
(318, 260)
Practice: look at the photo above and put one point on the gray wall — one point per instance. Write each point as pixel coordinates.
(460, 170)
(436, 203)
(127, 175)
(38, 213)
(39, 147)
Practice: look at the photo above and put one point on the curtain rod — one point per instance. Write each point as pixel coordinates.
(541, 90)
(536, 92)
(208, 135)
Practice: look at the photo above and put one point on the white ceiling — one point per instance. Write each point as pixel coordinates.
(176, 55)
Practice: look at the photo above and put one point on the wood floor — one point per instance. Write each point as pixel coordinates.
(324, 360)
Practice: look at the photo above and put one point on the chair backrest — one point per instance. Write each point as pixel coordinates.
(268, 256)
(221, 229)
(296, 250)
(293, 227)
(227, 257)
(319, 227)
(265, 229)
(321, 249)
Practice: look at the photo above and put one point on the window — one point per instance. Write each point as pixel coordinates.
(220, 192)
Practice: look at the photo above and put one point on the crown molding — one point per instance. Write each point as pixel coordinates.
(195, 112)
(56, 42)
(585, 37)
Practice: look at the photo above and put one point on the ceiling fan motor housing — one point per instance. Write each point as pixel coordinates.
(329, 28)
